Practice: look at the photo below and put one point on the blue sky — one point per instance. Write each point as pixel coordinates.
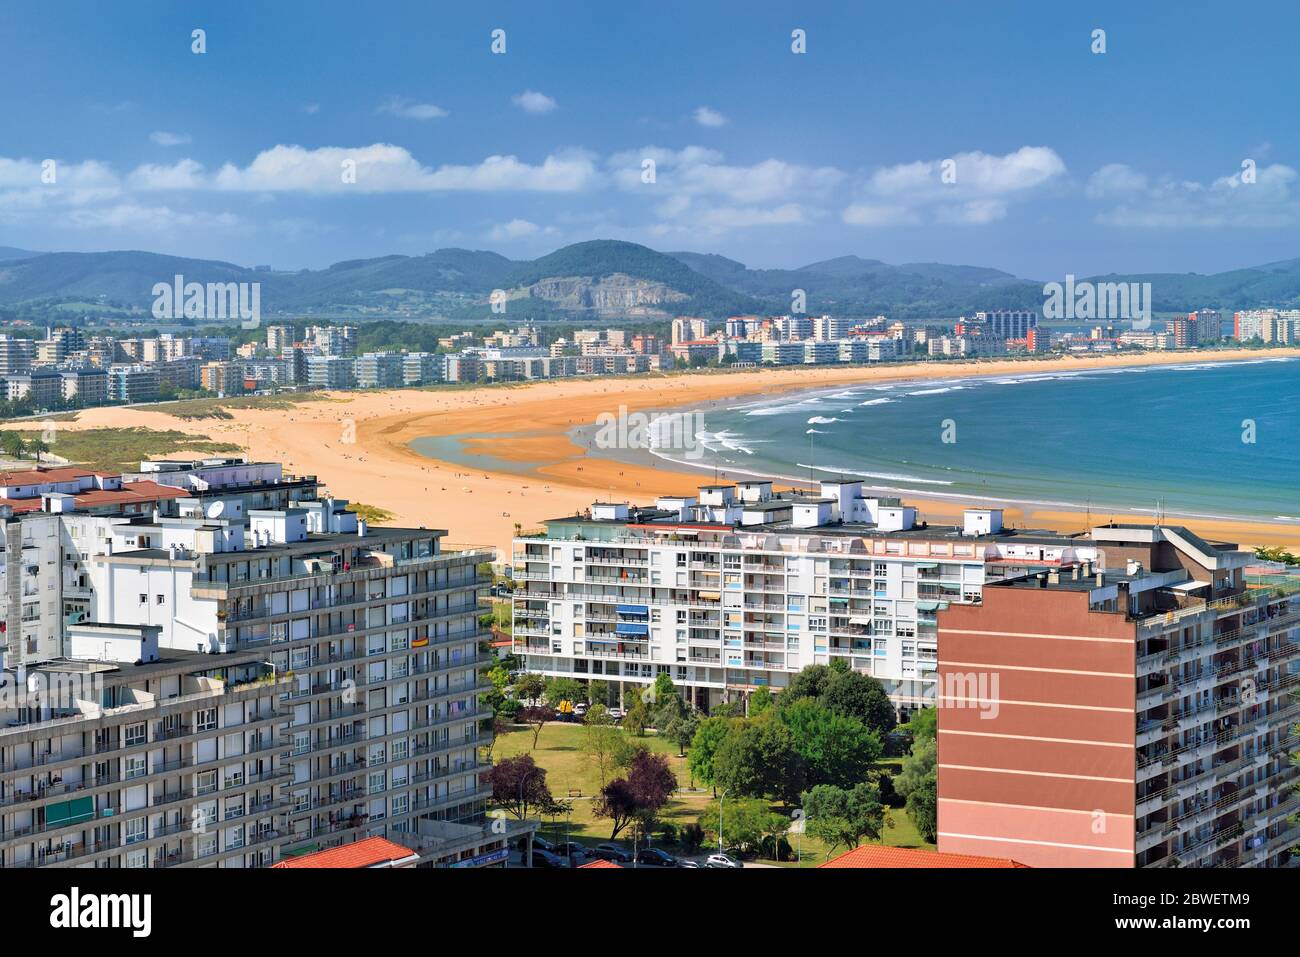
(1065, 160)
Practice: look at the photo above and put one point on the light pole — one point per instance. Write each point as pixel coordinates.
(722, 797)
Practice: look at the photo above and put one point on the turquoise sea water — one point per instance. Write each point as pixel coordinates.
(1137, 439)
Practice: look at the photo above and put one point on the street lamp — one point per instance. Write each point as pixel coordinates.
(721, 798)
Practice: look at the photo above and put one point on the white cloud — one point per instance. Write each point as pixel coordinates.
(405, 108)
(183, 174)
(311, 109)
(530, 101)
(966, 188)
(699, 171)
(164, 138)
(515, 229)
(875, 214)
(706, 116)
(1141, 201)
(384, 168)
(132, 216)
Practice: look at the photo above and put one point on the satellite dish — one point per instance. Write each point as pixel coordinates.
(216, 508)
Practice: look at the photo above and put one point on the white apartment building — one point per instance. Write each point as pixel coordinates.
(238, 682)
(740, 588)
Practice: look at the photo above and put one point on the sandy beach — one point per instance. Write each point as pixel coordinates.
(358, 443)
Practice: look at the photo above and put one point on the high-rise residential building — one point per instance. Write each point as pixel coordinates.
(741, 587)
(84, 385)
(247, 674)
(423, 368)
(1003, 324)
(331, 372)
(1184, 332)
(1209, 324)
(16, 355)
(685, 329)
(380, 370)
(334, 340)
(132, 383)
(223, 378)
(1135, 713)
(830, 328)
(42, 388)
(279, 337)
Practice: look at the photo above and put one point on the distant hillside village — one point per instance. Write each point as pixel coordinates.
(70, 369)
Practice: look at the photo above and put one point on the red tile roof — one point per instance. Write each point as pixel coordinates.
(130, 493)
(599, 862)
(372, 852)
(41, 475)
(877, 855)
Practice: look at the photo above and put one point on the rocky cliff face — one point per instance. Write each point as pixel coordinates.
(614, 294)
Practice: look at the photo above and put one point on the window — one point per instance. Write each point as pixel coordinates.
(144, 599)
(205, 782)
(133, 735)
(161, 600)
(206, 720)
(135, 830)
(136, 767)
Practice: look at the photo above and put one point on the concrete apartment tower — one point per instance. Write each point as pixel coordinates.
(1140, 716)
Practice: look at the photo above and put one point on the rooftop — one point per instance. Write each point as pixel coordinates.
(877, 855)
(371, 852)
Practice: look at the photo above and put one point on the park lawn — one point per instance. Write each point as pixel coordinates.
(559, 751)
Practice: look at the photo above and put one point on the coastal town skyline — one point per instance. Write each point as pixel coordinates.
(572, 436)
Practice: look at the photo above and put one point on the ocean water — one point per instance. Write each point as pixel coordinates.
(1200, 439)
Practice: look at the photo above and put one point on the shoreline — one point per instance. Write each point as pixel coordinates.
(360, 443)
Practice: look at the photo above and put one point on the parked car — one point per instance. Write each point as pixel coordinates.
(655, 857)
(547, 859)
(580, 708)
(570, 849)
(722, 860)
(542, 844)
(614, 852)
(682, 862)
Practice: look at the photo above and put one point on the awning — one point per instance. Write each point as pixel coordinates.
(927, 605)
(632, 628)
(927, 565)
(633, 609)
(710, 596)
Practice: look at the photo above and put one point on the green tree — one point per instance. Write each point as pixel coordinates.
(530, 687)
(599, 692)
(639, 795)
(745, 822)
(600, 744)
(917, 783)
(759, 760)
(664, 687)
(681, 729)
(704, 748)
(637, 718)
(843, 816)
(559, 690)
(860, 696)
(760, 702)
(500, 679)
(844, 691)
(836, 749)
(924, 723)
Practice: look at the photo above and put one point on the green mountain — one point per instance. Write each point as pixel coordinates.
(601, 279)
